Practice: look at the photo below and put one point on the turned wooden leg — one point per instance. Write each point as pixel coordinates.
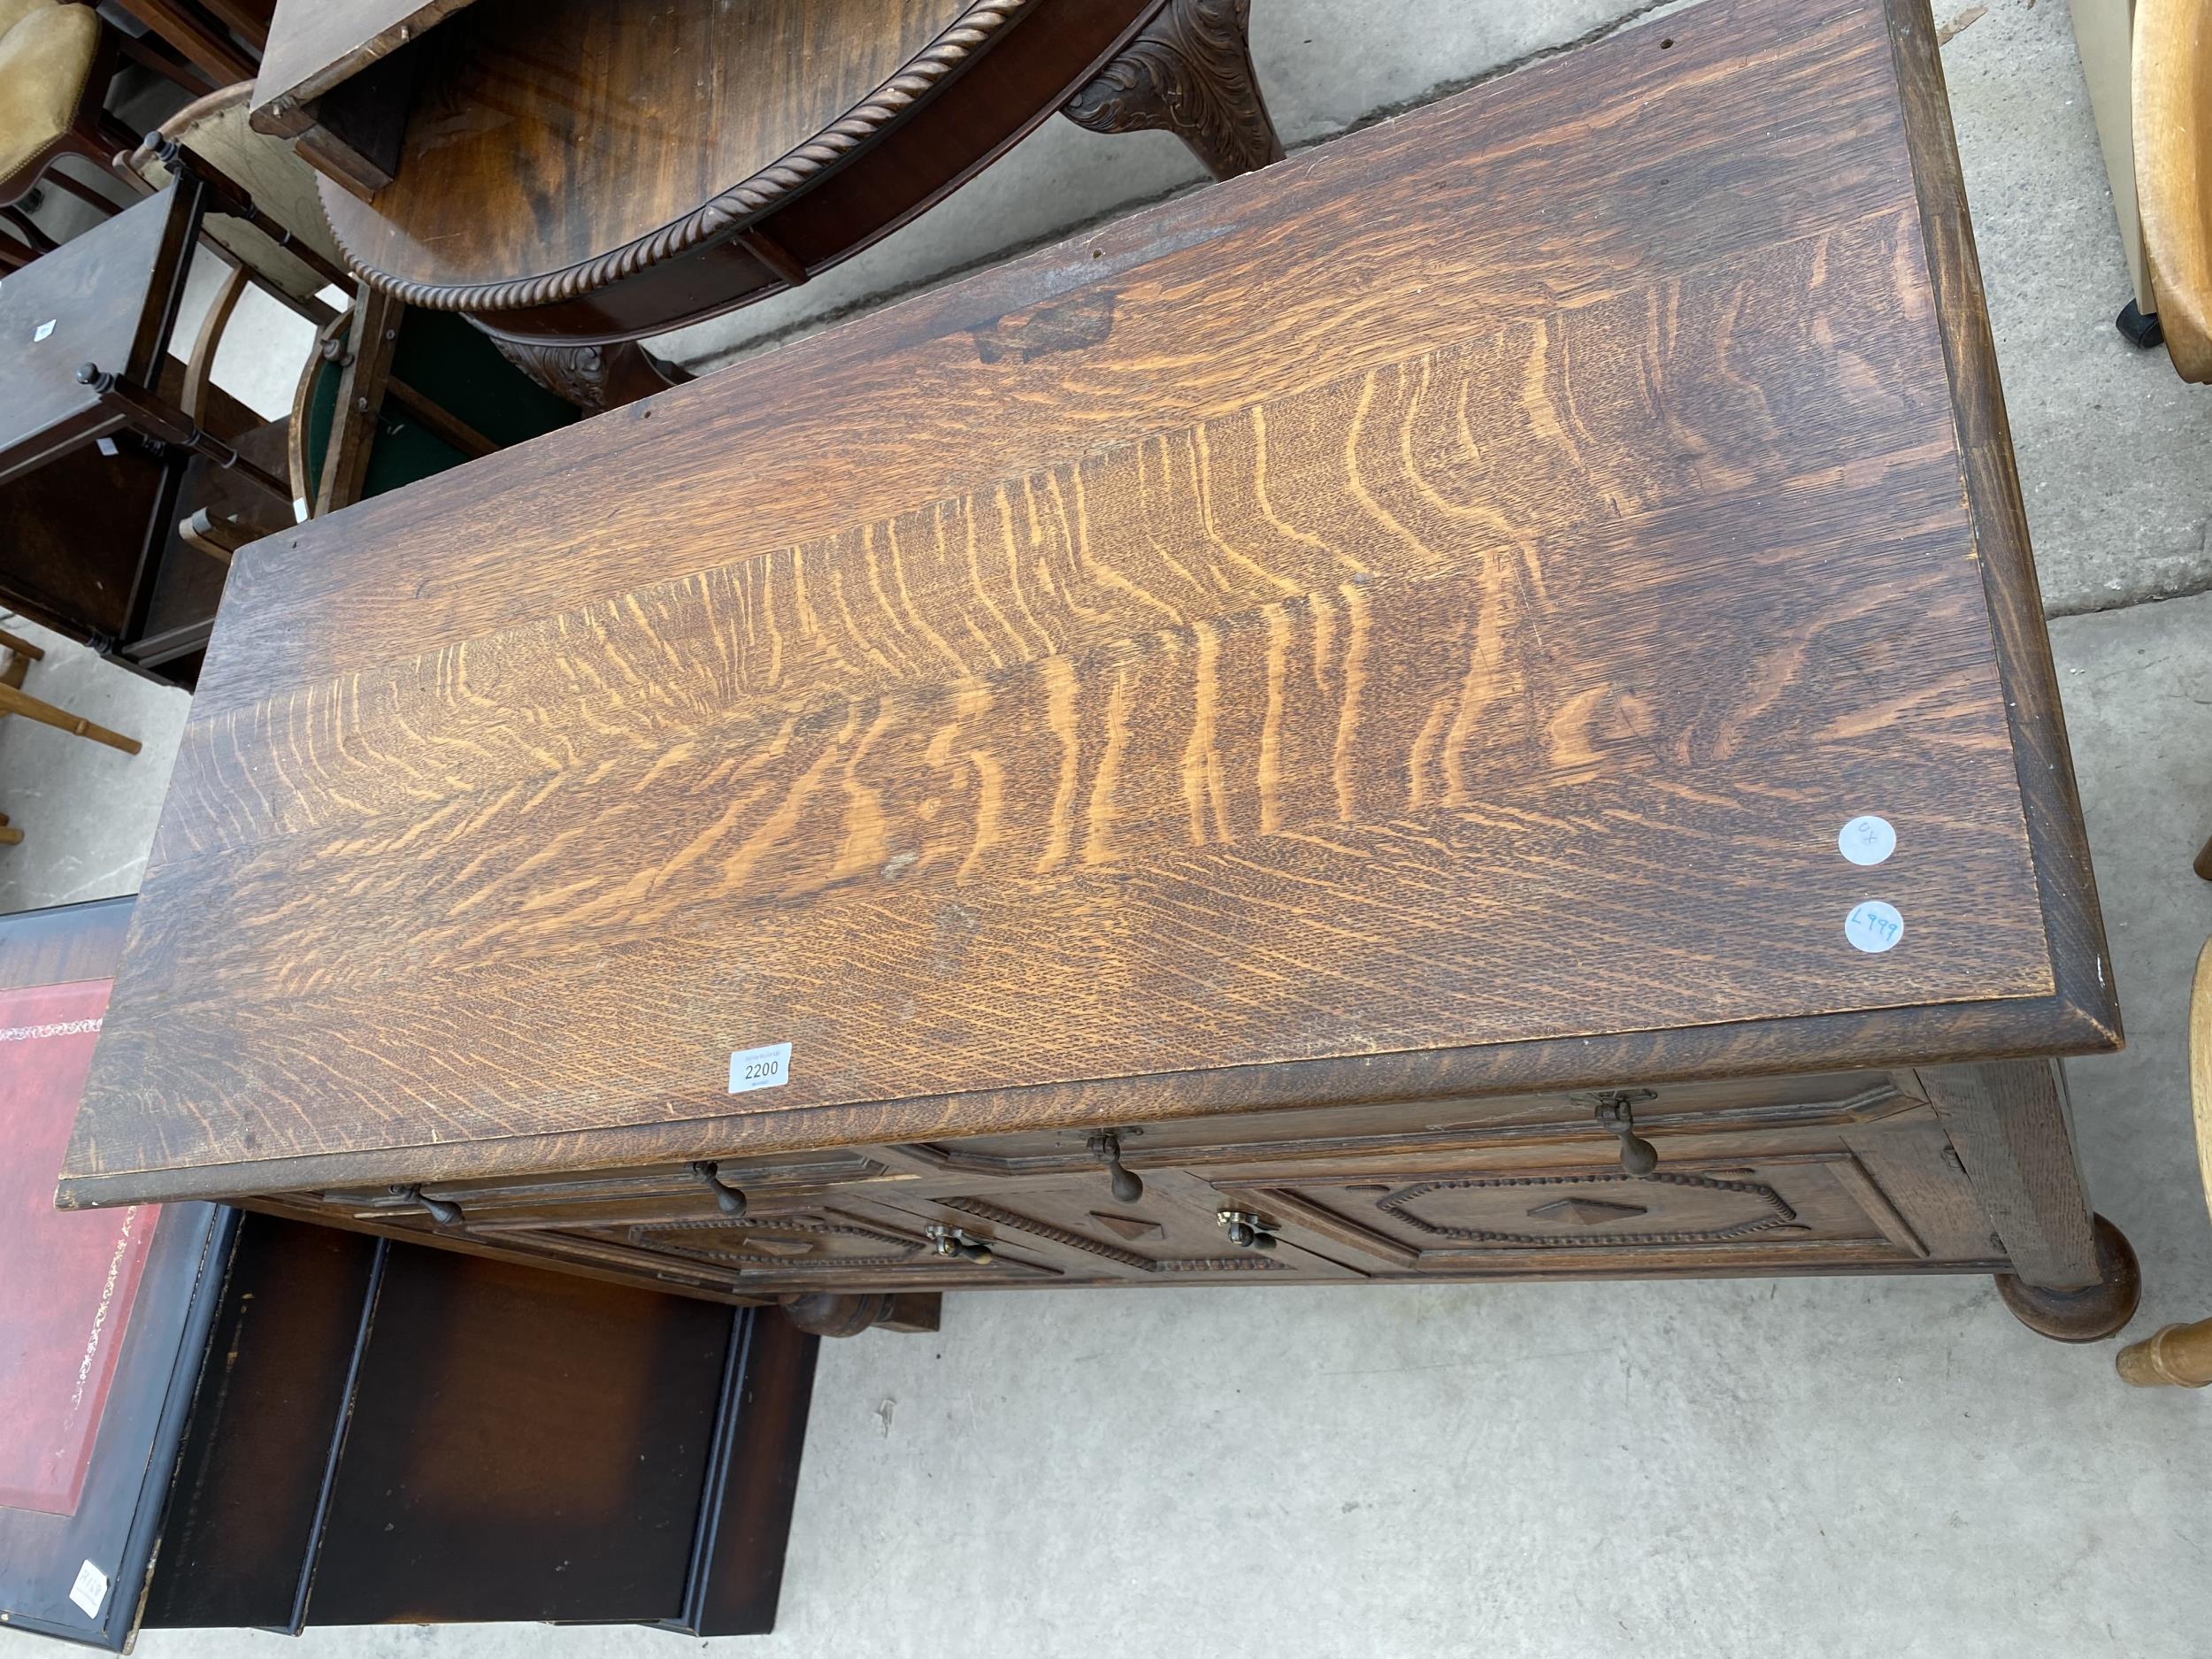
(14, 701)
(23, 648)
(2179, 1356)
(1189, 72)
(2204, 861)
(2074, 1278)
(825, 1314)
(593, 378)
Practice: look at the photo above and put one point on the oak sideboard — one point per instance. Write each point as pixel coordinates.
(1472, 704)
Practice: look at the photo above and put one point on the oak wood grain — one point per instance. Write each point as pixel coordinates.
(1381, 628)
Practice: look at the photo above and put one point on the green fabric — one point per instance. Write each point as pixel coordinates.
(450, 363)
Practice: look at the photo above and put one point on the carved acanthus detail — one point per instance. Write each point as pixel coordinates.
(1188, 72)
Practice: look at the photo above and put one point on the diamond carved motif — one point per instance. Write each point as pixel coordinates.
(1130, 1227)
(1591, 1212)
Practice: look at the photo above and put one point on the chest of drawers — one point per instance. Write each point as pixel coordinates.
(1304, 734)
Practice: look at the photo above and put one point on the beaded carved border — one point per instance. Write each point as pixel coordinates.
(952, 48)
(654, 1236)
(1779, 1212)
(983, 1211)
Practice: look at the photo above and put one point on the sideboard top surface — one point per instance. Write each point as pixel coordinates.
(1417, 618)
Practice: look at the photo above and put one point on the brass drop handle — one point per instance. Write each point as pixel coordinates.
(1245, 1229)
(954, 1243)
(441, 1211)
(728, 1199)
(1106, 1149)
(1617, 1111)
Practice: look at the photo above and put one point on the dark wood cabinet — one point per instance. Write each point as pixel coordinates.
(227, 1420)
(1472, 705)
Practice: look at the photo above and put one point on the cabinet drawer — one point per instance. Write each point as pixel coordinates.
(1784, 1208)
(1510, 1126)
(1172, 1234)
(849, 1247)
(665, 1192)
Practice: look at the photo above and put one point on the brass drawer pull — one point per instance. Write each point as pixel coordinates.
(958, 1245)
(728, 1199)
(1106, 1148)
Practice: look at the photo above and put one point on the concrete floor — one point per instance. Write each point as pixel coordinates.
(1843, 1467)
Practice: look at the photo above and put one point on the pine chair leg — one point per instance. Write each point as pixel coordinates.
(21, 648)
(14, 701)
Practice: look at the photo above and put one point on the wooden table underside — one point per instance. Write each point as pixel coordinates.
(1405, 626)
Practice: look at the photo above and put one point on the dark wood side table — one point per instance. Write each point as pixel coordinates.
(219, 1421)
(98, 459)
(568, 173)
(1472, 708)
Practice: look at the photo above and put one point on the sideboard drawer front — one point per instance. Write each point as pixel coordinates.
(794, 1172)
(1172, 1234)
(1781, 1206)
(1501, 1121)
(851, 1248)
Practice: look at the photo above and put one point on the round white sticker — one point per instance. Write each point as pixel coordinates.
(1867, 840)
(1873, 926)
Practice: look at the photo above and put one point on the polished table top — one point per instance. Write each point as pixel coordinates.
(1424, 614)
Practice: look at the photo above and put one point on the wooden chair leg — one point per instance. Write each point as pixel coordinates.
(10, 836)
(37, 240)
(25, 649)
(372, 337)
(2179, 1356)
(14, 701)
(2204, 861)
(82, 191)
(199, 368)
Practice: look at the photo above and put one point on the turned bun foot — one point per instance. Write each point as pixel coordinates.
(825, 1314)
(2095, 1311)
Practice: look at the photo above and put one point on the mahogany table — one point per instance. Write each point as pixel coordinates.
(576, 175)
(1472, 707)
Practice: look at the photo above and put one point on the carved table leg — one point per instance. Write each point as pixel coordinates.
(593, 378)
(2095, 1311)
(1189, 72)
(827, 1314)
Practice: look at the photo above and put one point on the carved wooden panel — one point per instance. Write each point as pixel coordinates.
(1444, 1222)
(850, 1247)
(1171, 1235)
